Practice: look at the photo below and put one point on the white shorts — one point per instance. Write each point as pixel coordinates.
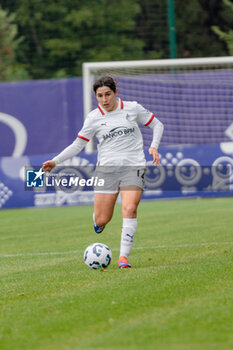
(120, 178)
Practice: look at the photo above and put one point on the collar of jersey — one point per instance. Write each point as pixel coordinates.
(120, 106)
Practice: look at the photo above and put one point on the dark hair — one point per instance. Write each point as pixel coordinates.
(105, 80)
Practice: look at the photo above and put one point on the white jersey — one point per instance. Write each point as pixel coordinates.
(118, 133)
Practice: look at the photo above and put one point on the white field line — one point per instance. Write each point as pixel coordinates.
(71, 252)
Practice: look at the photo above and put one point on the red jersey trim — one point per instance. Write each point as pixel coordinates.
(122, 105)
(102, 112)
(84, 138)
(150, 120)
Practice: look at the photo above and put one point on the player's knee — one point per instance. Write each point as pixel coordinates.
(102, 219)
(129, 210)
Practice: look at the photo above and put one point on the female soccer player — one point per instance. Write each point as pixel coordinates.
(115, 123)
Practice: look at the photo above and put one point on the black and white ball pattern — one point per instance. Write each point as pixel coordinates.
(97, 256)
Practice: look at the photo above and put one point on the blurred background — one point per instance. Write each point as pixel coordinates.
(47, 40)
(43, 46)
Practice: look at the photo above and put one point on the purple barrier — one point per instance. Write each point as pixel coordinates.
(195, 107)
(38, 117)
(205, 177)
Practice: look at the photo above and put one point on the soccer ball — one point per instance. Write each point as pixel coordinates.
(97, 256)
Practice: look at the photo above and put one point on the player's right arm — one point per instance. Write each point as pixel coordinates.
(85, 134)
(48, 165)
(69, 152)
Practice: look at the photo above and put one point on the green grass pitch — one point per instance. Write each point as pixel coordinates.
(178, 295)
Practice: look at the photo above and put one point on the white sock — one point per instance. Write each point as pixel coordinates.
(128, 232)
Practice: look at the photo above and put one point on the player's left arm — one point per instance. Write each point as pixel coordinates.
(157, 128)
(155, 154)
(148, 119)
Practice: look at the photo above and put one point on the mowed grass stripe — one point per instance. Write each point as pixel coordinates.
(73, 252)
(177, 296)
